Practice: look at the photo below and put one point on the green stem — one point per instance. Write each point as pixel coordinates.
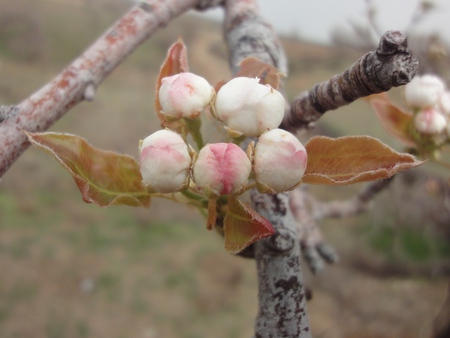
(194, 126)
(192, 195)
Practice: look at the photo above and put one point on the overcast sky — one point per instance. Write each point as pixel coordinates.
(315, 19)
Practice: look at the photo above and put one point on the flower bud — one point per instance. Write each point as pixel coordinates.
(184, 95)
(430, 122)
(247, 107)
(221, 169)
(444, 103)
(164, 161)
(279, 161)
(424, 91)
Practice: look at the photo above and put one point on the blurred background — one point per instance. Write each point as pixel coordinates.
(70, 269)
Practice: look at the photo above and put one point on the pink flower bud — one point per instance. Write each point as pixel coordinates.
(164, 161)
(279, 162)
(184, 95)
(247, 107)
(424, 91)
(430, 122)
(221, 169)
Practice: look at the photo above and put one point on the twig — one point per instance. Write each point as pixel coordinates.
(353, 206)
(80, 79)
(392, 64)
(281, 294)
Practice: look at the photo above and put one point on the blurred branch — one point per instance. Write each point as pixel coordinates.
(79, 80)
(281, 294)
(392, 64)
(308, 211)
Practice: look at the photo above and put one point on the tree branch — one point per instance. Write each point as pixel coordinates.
(80, 79)
(392, 64)
(281, 294)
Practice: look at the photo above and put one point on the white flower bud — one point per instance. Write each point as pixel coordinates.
(184, 95)
(221, 169)
(280, 161)
(247, 107)
(444, 103)
(164, 161)
(430, 122)
(424, 91)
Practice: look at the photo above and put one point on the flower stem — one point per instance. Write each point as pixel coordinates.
(194, 126)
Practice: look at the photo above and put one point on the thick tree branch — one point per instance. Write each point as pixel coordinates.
(80, 79)
(282, 302)
(392, 64)
(281, 294)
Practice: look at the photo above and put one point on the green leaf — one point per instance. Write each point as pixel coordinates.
(104, 178)
(243, 226)
(352, 159)
(393, 119)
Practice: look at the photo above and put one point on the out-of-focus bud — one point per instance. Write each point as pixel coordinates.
(430, 122)
(247, 107)
(184, 95)
(279, 162)
(221, 169)
(424, 91)
(164, 161)
(444, 103)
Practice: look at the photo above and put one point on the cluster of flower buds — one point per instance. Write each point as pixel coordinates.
(277, 163)
(430, 101)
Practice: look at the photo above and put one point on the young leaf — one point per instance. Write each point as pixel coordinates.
(253, 67)
(243, 226)
(176, 62)
(103, 177)
(352, 159)
(392, 118)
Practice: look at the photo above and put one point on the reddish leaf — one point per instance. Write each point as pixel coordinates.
(393, 119)
(176, 62)
(352, 159)
(243, 226)
(103, 177)
(253, 67)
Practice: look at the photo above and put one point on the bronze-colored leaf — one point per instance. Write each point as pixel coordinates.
(352, 159)
(243, 226)
(253, 67)
(396, 121)
(104, 178)
(176, 62)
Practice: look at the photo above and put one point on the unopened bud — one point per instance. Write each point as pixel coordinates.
(184, 95)
(430, 122)
(424, 91)
(221, 169)
(444, 103)
(279, 163)
(164, 161)
(247, 107)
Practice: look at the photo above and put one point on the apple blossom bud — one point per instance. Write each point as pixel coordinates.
(424, 91)
(430, 122)
(184, 95)
(279, 161)
(221, 169)
(247, 107)
(444, 103)
(164, 161)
